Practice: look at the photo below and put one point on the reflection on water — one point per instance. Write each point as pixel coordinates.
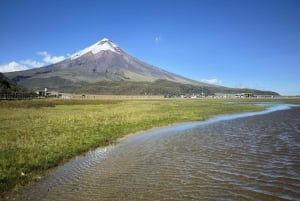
(255, 157)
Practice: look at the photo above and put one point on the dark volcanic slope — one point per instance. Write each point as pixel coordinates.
(158, 87)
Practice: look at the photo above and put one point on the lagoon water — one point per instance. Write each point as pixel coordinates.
(253, 156)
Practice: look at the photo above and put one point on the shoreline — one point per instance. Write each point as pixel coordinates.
(152, 150)
(19, 190)
(212, 119)
(157, 128)
(37, 176)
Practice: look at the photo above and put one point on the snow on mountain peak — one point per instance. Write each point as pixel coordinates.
(103, 45)
(105, 40)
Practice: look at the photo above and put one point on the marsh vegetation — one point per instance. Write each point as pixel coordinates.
(39, 134)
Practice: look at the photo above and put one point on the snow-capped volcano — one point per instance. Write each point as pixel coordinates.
(102, 45)
(105, 68)
(102, 61)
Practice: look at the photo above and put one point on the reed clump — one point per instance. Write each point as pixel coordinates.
(39, 134)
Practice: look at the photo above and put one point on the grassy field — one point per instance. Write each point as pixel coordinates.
(39, 134)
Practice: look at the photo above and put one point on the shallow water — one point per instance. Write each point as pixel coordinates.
(253, 156)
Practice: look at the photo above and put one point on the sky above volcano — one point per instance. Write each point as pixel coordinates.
(249, 43)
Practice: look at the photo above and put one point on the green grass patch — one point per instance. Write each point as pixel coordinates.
(39, 134)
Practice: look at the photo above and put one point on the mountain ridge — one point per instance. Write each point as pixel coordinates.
(103, 61)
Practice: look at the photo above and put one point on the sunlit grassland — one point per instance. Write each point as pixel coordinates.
(39, 134)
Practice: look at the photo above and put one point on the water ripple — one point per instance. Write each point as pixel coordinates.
(252, 156)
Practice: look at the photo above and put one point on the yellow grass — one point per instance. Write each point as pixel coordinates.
(39, 134)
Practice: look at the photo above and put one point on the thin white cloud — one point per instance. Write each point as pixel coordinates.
(12, 66)
(157, 40)
(212, 81)
(29, 63)
(48, 58)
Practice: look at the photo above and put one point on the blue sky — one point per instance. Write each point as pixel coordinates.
(235, 43)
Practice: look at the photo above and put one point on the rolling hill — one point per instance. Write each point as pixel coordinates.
(10, 89)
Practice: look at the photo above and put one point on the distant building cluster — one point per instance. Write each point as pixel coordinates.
(220, 96)
(48, 94)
